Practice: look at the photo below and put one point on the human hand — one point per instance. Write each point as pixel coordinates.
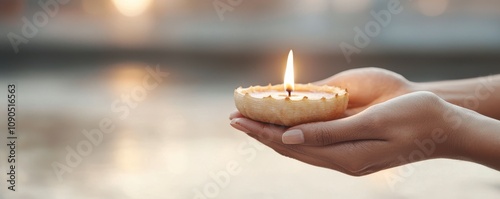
(368, 86)
(402, 130)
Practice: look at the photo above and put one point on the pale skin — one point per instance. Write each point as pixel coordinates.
(391, 121)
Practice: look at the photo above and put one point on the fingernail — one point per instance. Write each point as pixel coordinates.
(233, 115)
(294, 136)
(236, 123)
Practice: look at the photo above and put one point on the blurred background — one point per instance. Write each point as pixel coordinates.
(73, 59)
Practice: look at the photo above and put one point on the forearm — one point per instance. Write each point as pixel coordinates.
(479, 94)
(478, 140)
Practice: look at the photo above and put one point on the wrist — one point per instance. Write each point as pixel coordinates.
(475, 138)
(446, 130)
(457, 124)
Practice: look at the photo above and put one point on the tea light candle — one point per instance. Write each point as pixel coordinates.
(290, 104)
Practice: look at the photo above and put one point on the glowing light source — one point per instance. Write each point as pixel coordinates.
(131, 8)
(289, 81)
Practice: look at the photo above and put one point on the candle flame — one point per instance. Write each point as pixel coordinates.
(289, 83)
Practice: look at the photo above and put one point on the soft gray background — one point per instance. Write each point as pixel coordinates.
(90, 54)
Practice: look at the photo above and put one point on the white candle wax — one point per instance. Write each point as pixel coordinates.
(296, 95)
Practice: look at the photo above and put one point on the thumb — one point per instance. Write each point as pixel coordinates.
(333, 80)
(354, 128)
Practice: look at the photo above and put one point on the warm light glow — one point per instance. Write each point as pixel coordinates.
(131, 8)
(124, 76)
(289, 82)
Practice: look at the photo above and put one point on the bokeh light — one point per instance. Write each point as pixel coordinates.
(132, 8)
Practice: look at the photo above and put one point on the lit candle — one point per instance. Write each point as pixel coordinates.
(289, 80)
(290, 104)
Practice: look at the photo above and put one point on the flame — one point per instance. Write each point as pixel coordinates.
(289, 83)
(131, 8)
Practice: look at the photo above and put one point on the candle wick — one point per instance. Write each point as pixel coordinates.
(289, 92)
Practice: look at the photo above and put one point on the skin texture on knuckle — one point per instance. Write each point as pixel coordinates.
(430, 102)
(372, 120)
(428, 97)
(323, 136)
(266, 132)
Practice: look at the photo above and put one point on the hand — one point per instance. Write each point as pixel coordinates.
(368, 86)
(409, 128)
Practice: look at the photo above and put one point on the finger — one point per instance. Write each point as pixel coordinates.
(235, 114)
(234, 123)
(354, 128)
(262, 130)
(337, 157)
(350, 111)
(333, 80)
(357, 157)
(295, 152)
(341, 81)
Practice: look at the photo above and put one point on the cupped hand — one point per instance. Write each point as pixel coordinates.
(368, 86)
(401, 130)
